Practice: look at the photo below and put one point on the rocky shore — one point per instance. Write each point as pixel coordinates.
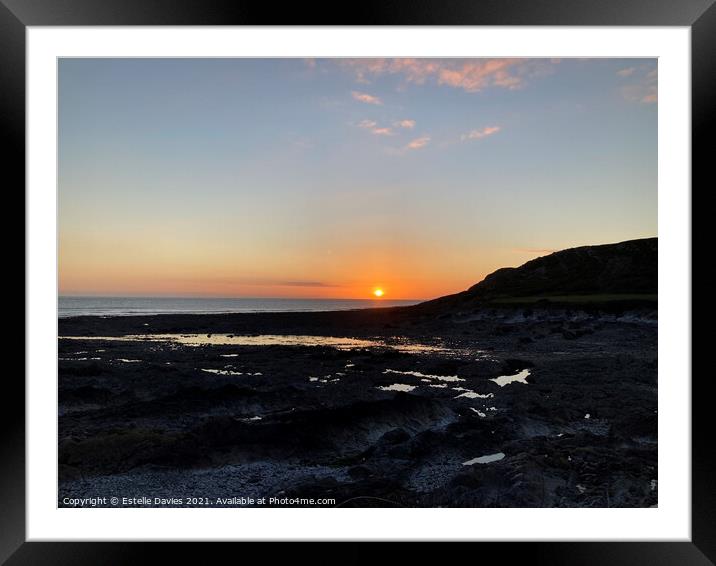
(547, 406)
(537, 387)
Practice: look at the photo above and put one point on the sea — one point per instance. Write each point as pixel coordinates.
(130, 306)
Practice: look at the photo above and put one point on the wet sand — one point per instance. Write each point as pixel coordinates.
(391, 407)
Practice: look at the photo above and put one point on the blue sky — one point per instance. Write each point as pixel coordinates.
(328, 177)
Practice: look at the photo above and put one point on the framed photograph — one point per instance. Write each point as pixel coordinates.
(423, 275)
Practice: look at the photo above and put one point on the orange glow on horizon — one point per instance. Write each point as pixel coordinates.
(174, 268)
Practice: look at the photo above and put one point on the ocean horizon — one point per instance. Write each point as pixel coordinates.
(69, 306)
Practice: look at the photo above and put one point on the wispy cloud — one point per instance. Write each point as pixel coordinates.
(366, 98)
(407, 124)
(481, 133)
(643, 86)
(471, 75)
(304, 284)
(231, 281)
(374, 128)
(418, 143)
(626, 72)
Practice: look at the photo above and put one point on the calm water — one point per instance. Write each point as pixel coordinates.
(125, 306)
(340, 343)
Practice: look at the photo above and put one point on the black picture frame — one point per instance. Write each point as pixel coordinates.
(16, 15)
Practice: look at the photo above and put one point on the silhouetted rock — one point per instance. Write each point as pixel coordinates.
(627, 268)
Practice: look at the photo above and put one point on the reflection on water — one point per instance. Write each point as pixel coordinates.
(520, 377)
(398, 387)
(222, 371)
(485, 459)
(472, 394)
(264, 340)
(339, 343)
(426, 376)
(326, 379)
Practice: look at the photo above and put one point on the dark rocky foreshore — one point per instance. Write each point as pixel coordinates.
(144, 418)
(536, 387)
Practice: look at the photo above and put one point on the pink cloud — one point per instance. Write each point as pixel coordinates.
(367, 124)
(471, 75)
(372, 125)
(643, 87)
(367, 98)
(418, 143)
(407, 124)
(479, 134)
(626, 72)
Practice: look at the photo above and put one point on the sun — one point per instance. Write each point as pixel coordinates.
(378, 293)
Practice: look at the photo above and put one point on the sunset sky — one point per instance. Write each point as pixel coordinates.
(330, 178)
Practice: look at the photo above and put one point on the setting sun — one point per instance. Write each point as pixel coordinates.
(378, 292)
